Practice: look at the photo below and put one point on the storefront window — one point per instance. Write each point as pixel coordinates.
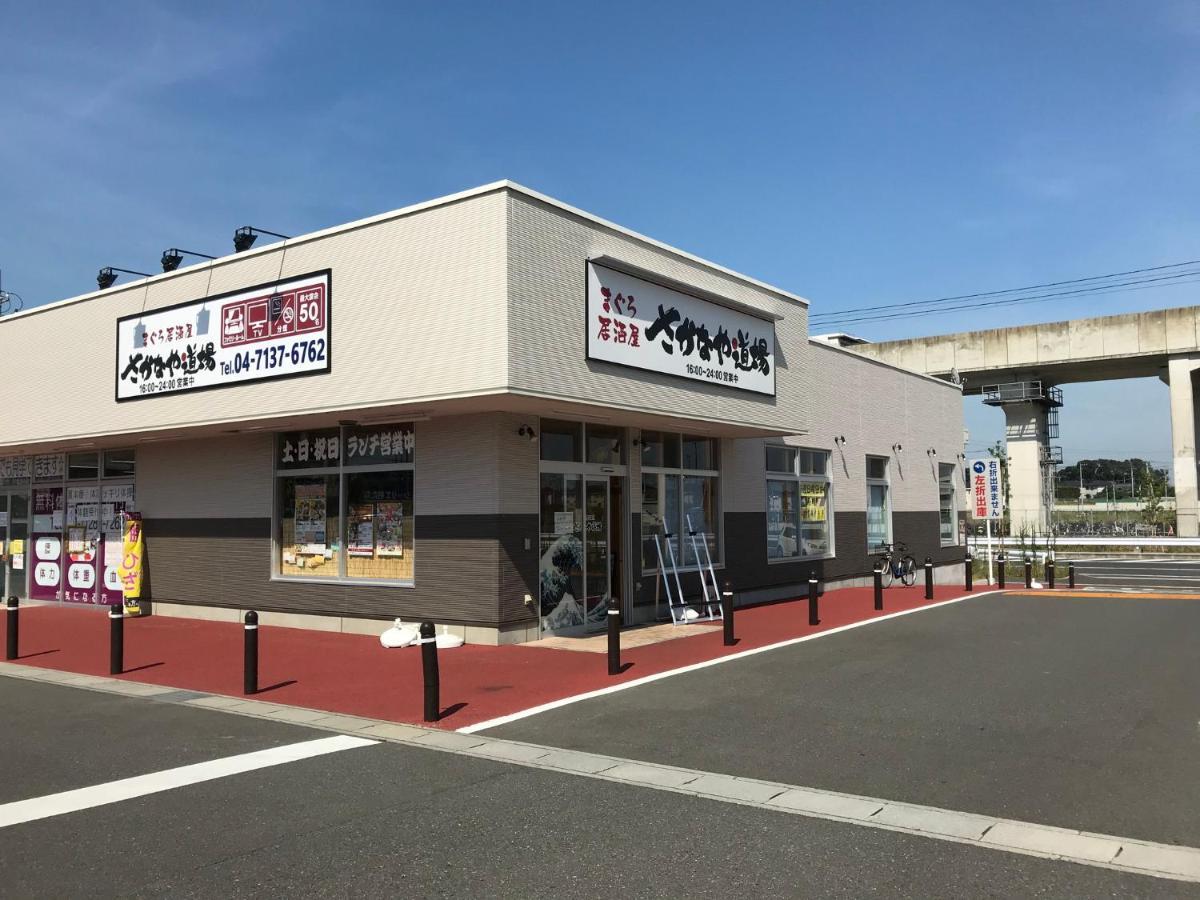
(605, 445)
(118, 464)
(798, 507)
(309, 526)
(379, 536)
(660, 450)
(561, 441)
(82, 466)
(671, 495)
(879, 510)
(947, 505)
(345, 503)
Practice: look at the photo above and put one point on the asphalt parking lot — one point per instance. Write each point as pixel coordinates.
(1078, 712)
(1167, 574)
(1072, 712)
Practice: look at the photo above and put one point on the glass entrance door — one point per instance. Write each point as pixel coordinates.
(14, 540)
(577, 552)
(597, 551)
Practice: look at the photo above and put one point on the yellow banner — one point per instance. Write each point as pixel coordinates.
(133, 551)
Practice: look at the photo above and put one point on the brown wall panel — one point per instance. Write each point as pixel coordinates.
(470, 570)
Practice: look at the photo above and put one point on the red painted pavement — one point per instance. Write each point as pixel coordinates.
(353, 674)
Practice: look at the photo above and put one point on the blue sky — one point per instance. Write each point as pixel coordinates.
(854, 153)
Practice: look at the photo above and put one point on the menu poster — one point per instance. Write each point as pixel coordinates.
(389, 527)
(310, 516)
(362, 530)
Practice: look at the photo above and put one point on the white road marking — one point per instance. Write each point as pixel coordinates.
(140, 785)
(1124, 574)
(1131, 855)
(694, 667)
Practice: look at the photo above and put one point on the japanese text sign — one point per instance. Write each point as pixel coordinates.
(637, 323)
(273, 331)
(358, 445)
(987, 489)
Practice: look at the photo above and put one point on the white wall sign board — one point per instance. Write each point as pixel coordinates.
(987, 488)
(634, 322)
(274, 330)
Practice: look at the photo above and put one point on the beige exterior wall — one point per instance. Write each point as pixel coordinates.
(464, 465)
(404, 289)
(548, 251)
(876, 406)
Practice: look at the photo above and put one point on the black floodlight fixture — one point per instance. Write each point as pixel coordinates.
(173, 257)
(244, 237)
(108, 276)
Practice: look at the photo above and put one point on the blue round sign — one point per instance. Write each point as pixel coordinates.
(978, 466)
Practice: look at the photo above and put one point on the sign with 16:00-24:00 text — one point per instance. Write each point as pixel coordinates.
(634, 322)
(271, 331)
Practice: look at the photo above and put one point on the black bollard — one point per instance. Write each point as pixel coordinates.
(727, 613)
(10, 643)
(1071, 575)
(929, 578)
(614, 636)
(250, 658)
(968, 568)
(878, 586)
(116, 639)
(1000, 569)
(813, 618)
(1028, 572)
(429, 669)
(1049, 572)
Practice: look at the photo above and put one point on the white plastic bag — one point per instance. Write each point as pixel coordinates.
(399, 635)
(446, 640)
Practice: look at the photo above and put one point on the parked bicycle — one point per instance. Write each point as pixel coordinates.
(895, 566)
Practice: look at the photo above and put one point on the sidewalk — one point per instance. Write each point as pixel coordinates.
(354, 675)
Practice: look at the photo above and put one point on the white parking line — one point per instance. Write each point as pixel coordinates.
(140, 785)
(659, 676)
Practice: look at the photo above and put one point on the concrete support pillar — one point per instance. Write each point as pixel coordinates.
(1182, 377)
(1025, 433)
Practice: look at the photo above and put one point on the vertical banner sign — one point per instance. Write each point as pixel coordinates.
(633, 322)
(272, 331)
(46, 575)
(129, 570)
(987, 489)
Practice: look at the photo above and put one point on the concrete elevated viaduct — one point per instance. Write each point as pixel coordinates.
(1020, 368)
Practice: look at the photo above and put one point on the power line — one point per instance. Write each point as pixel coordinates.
(1094, 291)
(982, 294)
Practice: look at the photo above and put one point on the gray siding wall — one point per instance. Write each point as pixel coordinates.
(208, 508)
(404, 288)
(548, 251)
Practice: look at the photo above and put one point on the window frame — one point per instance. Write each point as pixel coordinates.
(341, 472)
(661, 472)
(886, 483)
(950, 477)
(795, 476)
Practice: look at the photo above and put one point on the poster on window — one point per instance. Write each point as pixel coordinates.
(310, 517)
(389, 519)
(270, 331)
(362, 531)
(637, 323)
(46, 543)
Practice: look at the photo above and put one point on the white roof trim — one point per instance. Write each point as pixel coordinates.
(400, 213)
(886, 365)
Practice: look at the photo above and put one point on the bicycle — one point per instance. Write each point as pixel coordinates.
(904, 568)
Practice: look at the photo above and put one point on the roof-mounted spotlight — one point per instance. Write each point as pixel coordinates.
(173, 257)
(244, 237)
(108, 276)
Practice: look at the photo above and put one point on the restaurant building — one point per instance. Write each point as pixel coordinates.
(481, 410)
